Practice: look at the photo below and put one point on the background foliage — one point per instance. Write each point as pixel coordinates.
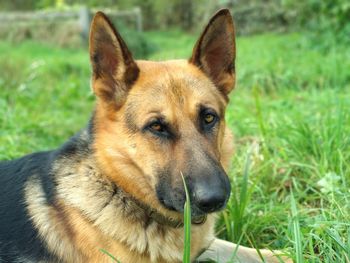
(325, 21)
(328, 21)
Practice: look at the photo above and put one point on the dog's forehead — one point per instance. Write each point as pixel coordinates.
(175, 82)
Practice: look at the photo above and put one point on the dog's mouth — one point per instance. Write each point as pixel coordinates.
(175, 222)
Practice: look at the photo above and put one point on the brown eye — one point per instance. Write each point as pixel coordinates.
(157, 127)
(209, 118)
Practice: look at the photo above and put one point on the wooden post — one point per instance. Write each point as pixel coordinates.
(138, 16)
(84, 21)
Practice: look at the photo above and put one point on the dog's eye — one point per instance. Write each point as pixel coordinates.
(209, 118)
(157, 127)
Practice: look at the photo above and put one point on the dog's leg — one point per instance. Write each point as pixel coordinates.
(223, 251)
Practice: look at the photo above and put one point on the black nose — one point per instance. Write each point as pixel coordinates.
(209, 200)
(211, 193)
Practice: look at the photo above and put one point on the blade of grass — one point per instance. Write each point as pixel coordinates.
(259, 114)
(338, 240)
(243, 197)
(187, 225)
(296, 231)
(239, 205)
(228, 224)
(254, 245)
(110, 255)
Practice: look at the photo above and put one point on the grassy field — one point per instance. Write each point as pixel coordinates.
(290, 114)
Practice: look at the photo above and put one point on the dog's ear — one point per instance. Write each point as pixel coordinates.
(114, 69)
(215, 51)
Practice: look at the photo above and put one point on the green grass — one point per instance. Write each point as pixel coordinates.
(296, 232)
(290, 110)
(187, 225)
(113, 258)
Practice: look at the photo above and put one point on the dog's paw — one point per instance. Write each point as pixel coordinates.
(224, 251)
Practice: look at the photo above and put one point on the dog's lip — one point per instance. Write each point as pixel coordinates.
(195, 211)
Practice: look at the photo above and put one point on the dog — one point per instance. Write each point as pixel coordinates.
(117, 185)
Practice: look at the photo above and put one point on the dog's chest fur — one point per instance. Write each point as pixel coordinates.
(88, 213)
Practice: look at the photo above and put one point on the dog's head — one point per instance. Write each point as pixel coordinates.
(157, 121)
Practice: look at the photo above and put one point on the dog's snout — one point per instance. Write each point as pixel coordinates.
(209, 199)
(211, 193)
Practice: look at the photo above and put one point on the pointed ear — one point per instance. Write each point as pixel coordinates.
(113, 68)
(215, 51)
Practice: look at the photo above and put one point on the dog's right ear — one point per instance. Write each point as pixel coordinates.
(215, 51)
(113, 67)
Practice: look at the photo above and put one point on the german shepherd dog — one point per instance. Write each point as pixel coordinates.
(117, 184)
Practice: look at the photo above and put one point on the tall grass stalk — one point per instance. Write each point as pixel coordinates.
(238, 205)
(109, 255)
(296, 231)
(187, 225)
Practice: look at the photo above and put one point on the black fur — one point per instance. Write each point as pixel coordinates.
(19, 240)
(18, 237)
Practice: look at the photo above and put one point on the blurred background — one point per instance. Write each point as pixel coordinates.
(290, 110)
(62, 21)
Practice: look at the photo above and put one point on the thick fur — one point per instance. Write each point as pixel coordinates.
(67, 204)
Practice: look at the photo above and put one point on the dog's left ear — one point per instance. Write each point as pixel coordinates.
(215, 51)
(114, 69)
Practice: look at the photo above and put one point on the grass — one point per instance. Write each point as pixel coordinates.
(113, 258)
(187, 226)
(296, 232)
(290, 110)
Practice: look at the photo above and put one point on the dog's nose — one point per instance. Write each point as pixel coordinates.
(211, 196)
(210, 201)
